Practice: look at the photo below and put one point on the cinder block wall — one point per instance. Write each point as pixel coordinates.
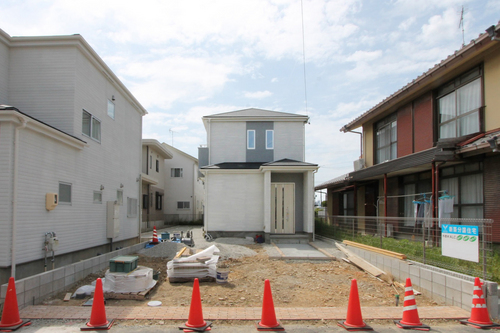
(34, 289)
(442, 285)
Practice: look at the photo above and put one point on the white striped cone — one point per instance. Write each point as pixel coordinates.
(479, 317)
(410, 312)
(155, 235)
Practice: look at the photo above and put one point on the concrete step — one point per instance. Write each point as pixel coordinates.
(289, 239)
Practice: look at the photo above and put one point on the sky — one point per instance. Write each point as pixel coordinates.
(329, 59)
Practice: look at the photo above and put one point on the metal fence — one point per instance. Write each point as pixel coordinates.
(419, 239)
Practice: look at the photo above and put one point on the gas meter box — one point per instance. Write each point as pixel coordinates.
(51, 201)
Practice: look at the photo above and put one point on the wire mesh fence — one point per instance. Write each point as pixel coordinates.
(421, 239)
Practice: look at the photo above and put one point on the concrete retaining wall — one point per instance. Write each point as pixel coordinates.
(442, 285)
(34, 289)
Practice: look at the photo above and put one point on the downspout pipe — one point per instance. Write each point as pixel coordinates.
(22, 124)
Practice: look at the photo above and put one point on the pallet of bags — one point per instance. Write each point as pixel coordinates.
(201, 265)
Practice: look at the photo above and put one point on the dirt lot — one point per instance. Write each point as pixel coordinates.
(293, 283)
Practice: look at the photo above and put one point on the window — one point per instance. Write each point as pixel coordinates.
(269, 139)
(159, 201)
(182, 204)
(348, 204)
(251, 139)
(131, 207)
(151, 161)
(465, 183)
(64, 193)
(459, 104)
(119, 197)
(176, 172)
(387, 139)
(111, 109)
(157, 166)
(145, 201)
(91, 126)
(97, 197)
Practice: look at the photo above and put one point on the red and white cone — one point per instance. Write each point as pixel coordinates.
(410, 313)
(479, 317)
(155, 236)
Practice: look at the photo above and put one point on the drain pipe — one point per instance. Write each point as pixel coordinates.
(21, 125)
(360, 142)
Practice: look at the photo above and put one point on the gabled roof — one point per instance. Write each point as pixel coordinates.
(173, 149)
(288, 162)
(158, 147)
(234, 165)
(255, 113)
(335, 181)
(445, 70)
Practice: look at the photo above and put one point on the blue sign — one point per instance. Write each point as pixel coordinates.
(460, 241)
(468, 230)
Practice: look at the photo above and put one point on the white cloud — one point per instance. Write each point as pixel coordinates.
(258, 94)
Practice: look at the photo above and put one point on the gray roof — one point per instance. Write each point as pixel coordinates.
(288, 162)
(257, 113)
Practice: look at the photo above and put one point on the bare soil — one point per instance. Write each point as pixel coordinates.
(293, 284)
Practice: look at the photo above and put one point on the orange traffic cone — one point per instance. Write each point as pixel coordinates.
(410, 312)
(268, 320)
(98, 319)
(155, 236)
(195, 321)
(354, 320)
(10, 316)
(479, 317)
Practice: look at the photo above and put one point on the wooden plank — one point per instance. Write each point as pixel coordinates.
(179, 254)
(67, 297)
(366, 266)
(376, 249)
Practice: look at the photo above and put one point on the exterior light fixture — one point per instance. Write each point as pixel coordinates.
(493, 143)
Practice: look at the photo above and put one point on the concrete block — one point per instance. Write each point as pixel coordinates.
(102, 259)
(425, 274)
(425, 286)
(3, 292)
(404, 270)
(95, 261)
(19, 286)
(31, 282)
(467, 287)
(453, 297)
(439, 290)
(45, 290)
(415, 280)
(79, 266)
(69, 280)
(454, 283)
(87, 264)
(59, 273)
(380, 261)
(79, 275)
(87, 272)
(414, 271)
(46, 277)
(58, 285)
(32, 296)
(439, 278)
(69, 270)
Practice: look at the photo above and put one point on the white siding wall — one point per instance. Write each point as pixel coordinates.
(117, 159)
(179, 189)
(289, 140)
(6, 161)
(227, 142)
(4, 73)
(42, 84)
(235, 202)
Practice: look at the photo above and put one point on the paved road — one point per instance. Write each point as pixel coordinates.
(49, 326)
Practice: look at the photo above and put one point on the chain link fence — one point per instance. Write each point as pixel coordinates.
(420, 239)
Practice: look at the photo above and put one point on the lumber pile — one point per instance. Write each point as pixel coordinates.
(399, 256)
(186, 267)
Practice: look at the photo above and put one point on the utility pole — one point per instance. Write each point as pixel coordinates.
(172, 131)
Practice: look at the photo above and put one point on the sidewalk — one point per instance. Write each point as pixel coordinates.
(235, 313)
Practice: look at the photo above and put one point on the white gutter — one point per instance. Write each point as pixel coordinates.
(22, 125)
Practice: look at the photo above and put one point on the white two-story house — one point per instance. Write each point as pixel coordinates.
(256, 177)
(70, 155)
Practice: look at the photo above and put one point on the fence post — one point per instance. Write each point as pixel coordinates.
(423, 238)
(380, 228)
(483, 245)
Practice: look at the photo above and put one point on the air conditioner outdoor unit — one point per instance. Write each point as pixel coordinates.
(359, 164)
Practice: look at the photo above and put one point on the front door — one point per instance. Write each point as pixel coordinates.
(283, 208)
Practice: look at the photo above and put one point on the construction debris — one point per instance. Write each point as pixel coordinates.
(187, 266)
(364, 265)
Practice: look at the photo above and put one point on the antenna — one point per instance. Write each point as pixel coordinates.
(462, 24)
(172, 131)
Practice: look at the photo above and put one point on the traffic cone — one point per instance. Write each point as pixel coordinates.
(268, 320)
(410, 313)
(98, 319)
(479, 317)
(155, 236)
(354, 320)
(195, 321)
(10, 315)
